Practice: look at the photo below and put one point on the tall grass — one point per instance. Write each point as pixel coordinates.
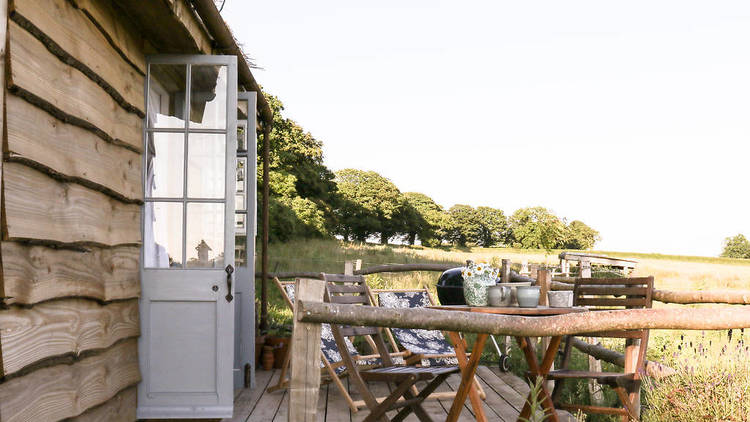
(712, 381)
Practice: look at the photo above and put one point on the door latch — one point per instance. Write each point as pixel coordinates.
(229, 269)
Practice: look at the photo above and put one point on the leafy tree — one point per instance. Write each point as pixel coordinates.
(578, 235)
(536, 228)
(462, 225)
(426, 220)
(302, 188)
(736, 247)
(492, 226)
(371, 204)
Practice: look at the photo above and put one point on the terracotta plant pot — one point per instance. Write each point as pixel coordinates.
(267, 358)
(280, 347)
(260, 341)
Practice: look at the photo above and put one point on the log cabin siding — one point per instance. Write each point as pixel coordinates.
(37, 273)
(71, 201)
(67, 390)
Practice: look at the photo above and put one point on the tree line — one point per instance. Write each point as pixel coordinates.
(309, 200)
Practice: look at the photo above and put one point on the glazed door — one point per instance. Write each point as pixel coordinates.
(187, 276)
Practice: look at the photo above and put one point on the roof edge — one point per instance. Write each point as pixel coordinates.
(225, 42)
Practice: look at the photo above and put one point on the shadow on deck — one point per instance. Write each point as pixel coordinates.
(505, 398)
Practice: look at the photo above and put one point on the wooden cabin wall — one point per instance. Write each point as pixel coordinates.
(72, 113)
(71, 175)
(71, 199)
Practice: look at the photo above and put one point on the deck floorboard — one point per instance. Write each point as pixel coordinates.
(505, 396)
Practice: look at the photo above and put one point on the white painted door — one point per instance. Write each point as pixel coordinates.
(244, 244)
(187, 304)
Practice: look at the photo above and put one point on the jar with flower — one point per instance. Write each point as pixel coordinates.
(478, 278)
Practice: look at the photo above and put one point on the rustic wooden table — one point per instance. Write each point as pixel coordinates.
(536, 368)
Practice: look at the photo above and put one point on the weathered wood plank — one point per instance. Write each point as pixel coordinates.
(184, 13)
(28, 335)
(502, 409)
(73, 38)
(246, 401)
(121, 408)
(169, 25)
(35, 273)
(268, 404)
(71, 153)
(337, 408)
(38, 207)
(304, 385)
(40, 77)
(118, 30)
(64, 391)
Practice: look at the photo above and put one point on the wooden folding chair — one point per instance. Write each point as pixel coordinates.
(333, 368)
(424, 347)
(608, 294)
(350, 289)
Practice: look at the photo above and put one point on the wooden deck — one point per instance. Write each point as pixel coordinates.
(505, 398)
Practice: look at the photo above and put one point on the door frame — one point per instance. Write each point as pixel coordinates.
(179, 405)
(244, 330)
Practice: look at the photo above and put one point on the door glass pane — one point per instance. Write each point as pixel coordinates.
(205, 235)
(206, 171)
(208, 97)
(242, 111)
(241, 139)
(165, 173)
(162, 240)
(166, 96)
(240, 250)
(239, 199)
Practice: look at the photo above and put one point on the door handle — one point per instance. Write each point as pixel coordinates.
(229, 269)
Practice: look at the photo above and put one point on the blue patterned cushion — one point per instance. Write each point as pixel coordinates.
(328, 343)
(418, 341)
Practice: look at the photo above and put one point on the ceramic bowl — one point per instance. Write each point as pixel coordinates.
(528, 296)
(513, 292)
(499, 295)
(560, 299)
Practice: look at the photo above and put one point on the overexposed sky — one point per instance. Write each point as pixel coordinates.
(631, 116)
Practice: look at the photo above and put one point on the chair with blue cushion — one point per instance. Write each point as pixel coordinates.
(424, 347)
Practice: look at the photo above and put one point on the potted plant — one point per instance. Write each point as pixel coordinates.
(278, 339)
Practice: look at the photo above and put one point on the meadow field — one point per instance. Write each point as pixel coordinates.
(713, 368)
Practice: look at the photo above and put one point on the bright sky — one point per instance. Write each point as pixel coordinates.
(631, 116)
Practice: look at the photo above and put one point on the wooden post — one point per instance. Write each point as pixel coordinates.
(585, 269)
(533, 270)
(505, 273)
(595, 365)
(304, 386)
(266, 226)
(349, 267)
(543, 280)
(631, 362)
(358, 265)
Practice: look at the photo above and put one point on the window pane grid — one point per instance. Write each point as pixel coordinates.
(187, 129)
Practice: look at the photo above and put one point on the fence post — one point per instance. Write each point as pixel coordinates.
(304, 386)
(505, 273)
(585, 268)
(349, 267)
(595, 365)
(543, 280)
